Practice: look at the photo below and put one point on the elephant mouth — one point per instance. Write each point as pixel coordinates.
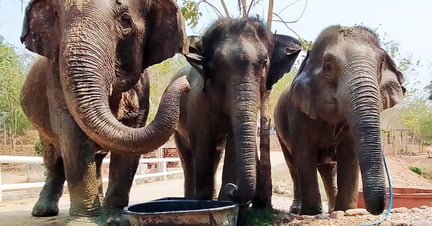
(125, 79)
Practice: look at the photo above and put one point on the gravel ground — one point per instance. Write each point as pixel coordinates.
(421, 216)
(17, 212)
(400, 177)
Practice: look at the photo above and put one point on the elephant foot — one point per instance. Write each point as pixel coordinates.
(85, 221)
(118, 220)
(115, 217)
(295, 207)
(105, 220)
(315, 210)
(45, 208)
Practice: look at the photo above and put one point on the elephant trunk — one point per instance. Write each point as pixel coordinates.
(87, 69)
(244, 120)
(363, 97)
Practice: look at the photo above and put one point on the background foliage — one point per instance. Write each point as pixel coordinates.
(13, 120)
(414, 114)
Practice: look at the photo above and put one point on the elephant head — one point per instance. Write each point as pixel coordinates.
(238, 60)
(348, 78)
(102, 47)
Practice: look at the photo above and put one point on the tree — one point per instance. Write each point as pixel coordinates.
(416, 115)
(160, 76)
(13, 120)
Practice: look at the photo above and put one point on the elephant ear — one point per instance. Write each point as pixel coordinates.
(300, 91)
(285, 52)
(40, 29)
(166, 32)
(194, 56)
(392, 90)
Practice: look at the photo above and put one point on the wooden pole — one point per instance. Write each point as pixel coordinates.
(264, 187)
(269, 15)
(225, 8)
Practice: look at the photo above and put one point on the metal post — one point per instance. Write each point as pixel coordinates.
(160, 165)
(164, 170)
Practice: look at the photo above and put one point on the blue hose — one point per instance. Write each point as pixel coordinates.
(387, 213)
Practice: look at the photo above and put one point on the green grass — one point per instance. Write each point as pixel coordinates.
(257, 217)
(416, 170)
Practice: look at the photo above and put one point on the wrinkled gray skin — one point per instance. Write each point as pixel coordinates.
(87, 94)
(329, 119)
(232, 64)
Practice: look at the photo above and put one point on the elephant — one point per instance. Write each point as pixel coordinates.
(88, 93)
(328, 120)
(231, 65)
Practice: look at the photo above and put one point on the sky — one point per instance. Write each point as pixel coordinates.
(406, 22)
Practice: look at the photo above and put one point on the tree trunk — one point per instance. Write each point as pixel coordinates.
(225, 8)
(243, 6)
(269, 15)
(264, 188)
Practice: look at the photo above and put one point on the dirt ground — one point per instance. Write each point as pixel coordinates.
(16, 207)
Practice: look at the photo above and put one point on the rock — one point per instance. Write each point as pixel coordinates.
(399, 210)
(337, 214)
(305, 217)
(415, 209)
(288, 218)
(421, 223)
(399, 223)
(428, 209)
(356, 212)
(324, 216)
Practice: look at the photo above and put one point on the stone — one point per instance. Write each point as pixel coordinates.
(324, 216)
(305, 217)
(421, 223)
(415, 209)
(428, 209)
(399, 210)
(399, 223)
(356, 212)
(337, 214)
(288, 218)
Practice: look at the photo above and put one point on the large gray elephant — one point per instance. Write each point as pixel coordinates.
(233, 64)
(329, 119)
(87, 94)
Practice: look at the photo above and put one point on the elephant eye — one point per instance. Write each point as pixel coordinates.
(329, 67)
(126, 24)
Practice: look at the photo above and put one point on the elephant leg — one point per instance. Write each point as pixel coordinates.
(121, 174)
(328, 175)
(229, 174)
(99, 158)
(80, 169)
(204, 156)
(185, 154)
(347, 176)
(305, 164)
(47, 204)
(296, 203)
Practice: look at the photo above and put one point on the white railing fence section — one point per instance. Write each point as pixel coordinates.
(162, 168)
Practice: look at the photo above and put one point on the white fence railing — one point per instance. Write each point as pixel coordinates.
(163, 172)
